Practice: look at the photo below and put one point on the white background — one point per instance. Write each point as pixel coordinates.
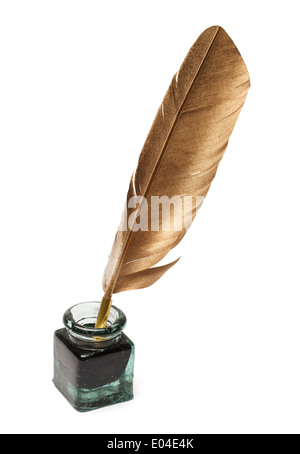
(80, 84)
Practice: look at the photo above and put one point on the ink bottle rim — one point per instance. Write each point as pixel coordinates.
(80, 320)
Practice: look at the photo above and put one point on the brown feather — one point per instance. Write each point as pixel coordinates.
(182, 152)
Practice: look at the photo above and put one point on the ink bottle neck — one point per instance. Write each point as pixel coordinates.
(80, 321)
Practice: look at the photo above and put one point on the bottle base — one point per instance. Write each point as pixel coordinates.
(84, 406)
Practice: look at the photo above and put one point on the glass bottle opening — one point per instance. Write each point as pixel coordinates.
(80, 322)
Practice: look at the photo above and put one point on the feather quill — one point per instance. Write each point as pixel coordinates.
(180, 157)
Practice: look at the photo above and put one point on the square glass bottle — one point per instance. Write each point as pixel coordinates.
(93, 368)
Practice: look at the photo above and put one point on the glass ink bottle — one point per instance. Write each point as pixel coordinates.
(93, 368)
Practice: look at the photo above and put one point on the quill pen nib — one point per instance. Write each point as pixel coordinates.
(103, 313)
